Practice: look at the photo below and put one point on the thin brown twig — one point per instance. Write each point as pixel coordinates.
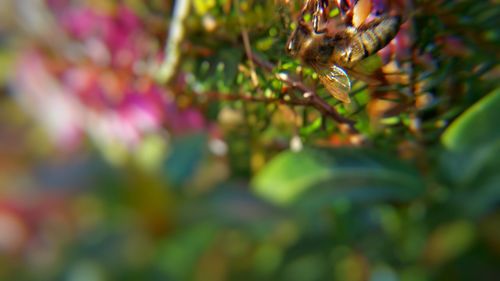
(248, 50)
(310, 97)
(248, 98)
(246, 44)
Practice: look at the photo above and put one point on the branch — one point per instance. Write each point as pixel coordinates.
(175, 35)
(310, 97)
(249, 98)
(246, 43)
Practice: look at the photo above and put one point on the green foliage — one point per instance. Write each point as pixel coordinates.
(475, 128)
(471, 161)
(331, 175)
(409, 192)
(186, 154)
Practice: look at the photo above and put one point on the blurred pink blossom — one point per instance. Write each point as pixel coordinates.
(50, 104)
(104, 92)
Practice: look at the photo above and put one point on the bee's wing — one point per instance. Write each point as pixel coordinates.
(367, 77)
(336, 82)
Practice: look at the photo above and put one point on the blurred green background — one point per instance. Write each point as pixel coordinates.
(107, 172)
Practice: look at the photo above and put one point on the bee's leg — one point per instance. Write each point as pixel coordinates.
(344, 6)
(320, 16)
(307, 9)
(346, 10)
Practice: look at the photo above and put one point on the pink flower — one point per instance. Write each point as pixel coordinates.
(102, 91)
(50, 104)
(79, 102)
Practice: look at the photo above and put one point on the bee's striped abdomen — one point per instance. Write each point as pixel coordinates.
(378, 34)
(353, 46)
(371, 41)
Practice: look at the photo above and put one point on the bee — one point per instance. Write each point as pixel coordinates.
(331, 55)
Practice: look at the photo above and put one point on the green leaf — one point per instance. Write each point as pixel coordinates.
(476, 127)
(321, 176)
(179, 254)
(202, 7)
(485, 199)
(288, 175)
(467, 169)
(187, 153)
(476, 178)
(449, 241)
(265, 44)
(233, 204)
(471, 162)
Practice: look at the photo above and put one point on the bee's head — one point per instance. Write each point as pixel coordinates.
(296, 39)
